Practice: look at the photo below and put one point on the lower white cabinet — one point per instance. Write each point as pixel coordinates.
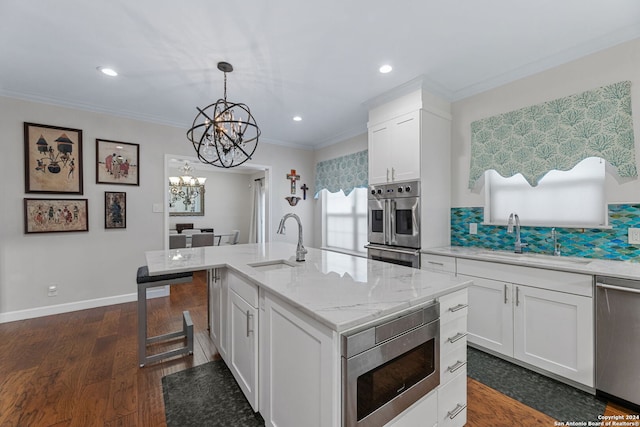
(218, 291)
(541, 317)
(422, 413)
(299, 371)
(243, 339)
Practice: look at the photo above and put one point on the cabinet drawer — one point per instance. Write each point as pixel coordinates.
(422, 413)
(439, 263)
(453, 363)
(453, 335)
(248, 291)
(562, 281)
(452, 402)
(453, 306)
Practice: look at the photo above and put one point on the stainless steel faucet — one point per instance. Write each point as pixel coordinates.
(556, 244)
(518, 244)
(300, 250)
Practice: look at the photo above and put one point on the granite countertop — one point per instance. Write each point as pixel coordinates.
(341, 291)
(596, 267)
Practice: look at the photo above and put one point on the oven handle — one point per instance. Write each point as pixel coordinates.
(400, 251)
(390, 214)
(618, 288)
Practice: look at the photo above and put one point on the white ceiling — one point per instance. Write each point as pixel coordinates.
(317, 59)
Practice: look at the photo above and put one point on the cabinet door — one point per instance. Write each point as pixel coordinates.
(218, 309)
(298, 369)
(490, 321)
(554, 331)
(243, 346)
(379, 143)
(405, 147)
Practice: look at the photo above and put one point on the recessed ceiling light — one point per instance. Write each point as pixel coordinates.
(297, 118)
(386, 68)
(108, 71)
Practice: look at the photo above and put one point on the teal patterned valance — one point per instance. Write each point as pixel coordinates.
(343, 173)
(557, 135)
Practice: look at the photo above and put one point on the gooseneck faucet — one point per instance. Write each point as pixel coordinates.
(300, 250)
(518, 244)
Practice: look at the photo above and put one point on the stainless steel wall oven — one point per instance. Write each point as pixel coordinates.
(394, 223)
(388, 367)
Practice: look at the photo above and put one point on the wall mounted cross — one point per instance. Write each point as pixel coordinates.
(293, 177)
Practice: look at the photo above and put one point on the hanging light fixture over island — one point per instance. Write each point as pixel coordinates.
(224, 134)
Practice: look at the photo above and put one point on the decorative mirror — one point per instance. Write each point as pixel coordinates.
(186, 200)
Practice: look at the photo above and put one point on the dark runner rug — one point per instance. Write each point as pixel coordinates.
(551, 397)
(206, 395)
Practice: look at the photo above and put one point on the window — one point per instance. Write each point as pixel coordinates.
(345, 220)
(573, 198)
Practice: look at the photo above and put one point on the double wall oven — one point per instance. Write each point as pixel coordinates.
(394, 223)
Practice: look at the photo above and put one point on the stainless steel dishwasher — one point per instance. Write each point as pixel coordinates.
(618, 339)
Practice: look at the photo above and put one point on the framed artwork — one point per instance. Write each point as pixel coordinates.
(55, 215)
(115, 209)
(53, 159)
(117, 162)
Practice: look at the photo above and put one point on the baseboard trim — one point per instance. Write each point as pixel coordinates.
(49, 310)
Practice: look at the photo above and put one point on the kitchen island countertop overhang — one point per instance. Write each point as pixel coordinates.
(338, 290)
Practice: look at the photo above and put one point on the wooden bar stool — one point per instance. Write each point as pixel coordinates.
(145, 282)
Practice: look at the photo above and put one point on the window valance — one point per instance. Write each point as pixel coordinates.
(343, 173)
(557, 135)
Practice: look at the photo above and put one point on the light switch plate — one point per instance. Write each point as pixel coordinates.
(633, 236)
(473, 228)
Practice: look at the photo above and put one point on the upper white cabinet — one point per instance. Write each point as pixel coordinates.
(394, 149)
(409, 139)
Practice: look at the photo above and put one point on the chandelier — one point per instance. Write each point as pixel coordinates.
(224, 134)
(186, 188)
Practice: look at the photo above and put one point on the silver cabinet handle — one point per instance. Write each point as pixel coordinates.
(441, 264)
(505, 294)
(456, 411)
(517, 296)
(387, 174)
(393, 174)
(458, 307)
(249, 321)
(457, 337)
(456, 366)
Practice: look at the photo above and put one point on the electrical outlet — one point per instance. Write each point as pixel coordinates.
(52, 290)
(633, 236)
(473, 228)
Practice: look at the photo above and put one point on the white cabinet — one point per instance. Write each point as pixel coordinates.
(242, 357)
(218, 291)
(299, 372)
(233, 317)
(541, 317)
(394, 149)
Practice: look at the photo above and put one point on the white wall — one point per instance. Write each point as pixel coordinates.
(98, 267)
(609, 66)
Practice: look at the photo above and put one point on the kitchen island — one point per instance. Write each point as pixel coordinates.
(278, 323)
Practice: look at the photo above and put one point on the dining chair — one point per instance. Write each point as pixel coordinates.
(233, 239)
(201, 239)
(184, 226)
(177, 241)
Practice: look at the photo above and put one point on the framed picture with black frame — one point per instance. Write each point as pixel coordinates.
(115, 209)
(55, 215)
(53, 159)
(117, 162)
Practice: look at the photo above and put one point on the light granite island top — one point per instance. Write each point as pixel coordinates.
(340, 291)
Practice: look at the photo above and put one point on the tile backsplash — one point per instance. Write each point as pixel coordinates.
(588, 242)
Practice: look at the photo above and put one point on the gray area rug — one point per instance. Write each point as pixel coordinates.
(206, 395)
(558, 400)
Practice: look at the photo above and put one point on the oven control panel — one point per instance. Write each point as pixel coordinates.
(394, 191)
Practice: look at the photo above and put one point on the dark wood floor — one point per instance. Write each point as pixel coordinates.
(81, 369)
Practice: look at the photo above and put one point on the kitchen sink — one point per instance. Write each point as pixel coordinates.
(541, 258)
(279, 264)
